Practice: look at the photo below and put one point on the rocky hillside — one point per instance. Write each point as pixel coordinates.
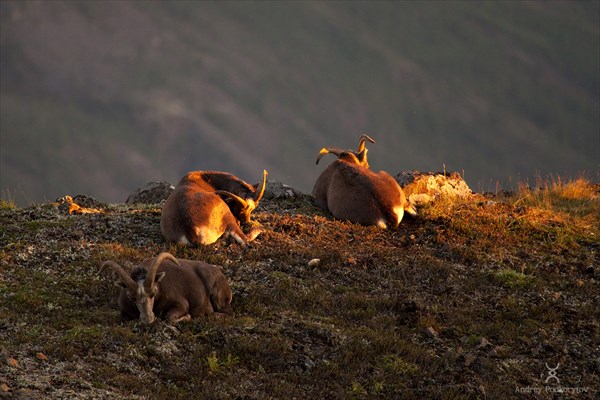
(103, 97)
(478, 297)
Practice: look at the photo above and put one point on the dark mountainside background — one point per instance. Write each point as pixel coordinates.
(100, 98)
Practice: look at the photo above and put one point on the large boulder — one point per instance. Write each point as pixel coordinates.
(422, 188)
(153, 193)
(277, 190)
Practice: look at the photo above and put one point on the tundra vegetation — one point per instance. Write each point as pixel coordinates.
(472, 299)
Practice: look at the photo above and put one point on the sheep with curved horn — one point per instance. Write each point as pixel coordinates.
(175, 289)
(206, 205)
(349, 190)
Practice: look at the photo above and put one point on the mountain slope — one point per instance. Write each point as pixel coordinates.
(100, 98)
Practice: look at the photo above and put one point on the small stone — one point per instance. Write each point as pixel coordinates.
(580, 282)
(556, 295)
(11, 362)
(483, 343)
(497, 351)
(41, 356)
(431, 332)
(308, 364)
(493, 353)
(482, 391)
(469, 359)
(314, 262)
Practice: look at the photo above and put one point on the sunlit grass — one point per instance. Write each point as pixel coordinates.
(7, 200)
(557, 212)
(567, 210)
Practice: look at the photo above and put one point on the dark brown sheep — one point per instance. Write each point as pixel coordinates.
(175, 289)
(351, 191)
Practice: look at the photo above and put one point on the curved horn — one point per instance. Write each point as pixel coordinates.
(231, 195)
(328, 150)
(361, 143)
(362, 157)
(121, 273)
(151, 274)
(242, 209)
(323, 152)
(260, 190)
(351, 157)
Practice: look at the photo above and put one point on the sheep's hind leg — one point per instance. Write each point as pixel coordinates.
(236, 233)
(176, 315)
(186, 317)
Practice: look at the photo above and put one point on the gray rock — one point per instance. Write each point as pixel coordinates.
(88, 201)
(153, 193)
(278, 190)
(424, 187)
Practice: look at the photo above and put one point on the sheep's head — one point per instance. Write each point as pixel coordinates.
(142, 285)
(358, 157)
(220, 292)
(242, 208)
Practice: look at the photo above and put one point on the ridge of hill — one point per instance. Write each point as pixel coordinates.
(101, 98)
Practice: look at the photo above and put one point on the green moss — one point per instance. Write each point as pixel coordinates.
(512, 279)
(397, 365)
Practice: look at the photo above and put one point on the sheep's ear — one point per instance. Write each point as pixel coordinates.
(159, 276)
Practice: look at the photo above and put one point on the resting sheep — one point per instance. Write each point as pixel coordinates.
(206, 205)
(351, 191)
(175, 289)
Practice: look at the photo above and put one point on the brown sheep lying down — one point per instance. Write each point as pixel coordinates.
(350, 191)
(174, 289)
(207, 205)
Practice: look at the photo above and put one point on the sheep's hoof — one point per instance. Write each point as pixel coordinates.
(186, 317)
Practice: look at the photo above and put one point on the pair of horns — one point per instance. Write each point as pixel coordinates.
(258, 193)
(355, 156)
(150, 275)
